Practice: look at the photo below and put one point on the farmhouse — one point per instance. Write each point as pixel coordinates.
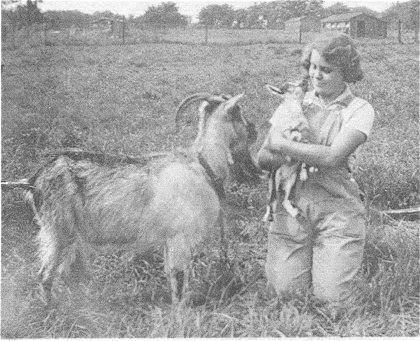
(303, 24)
(356, 24)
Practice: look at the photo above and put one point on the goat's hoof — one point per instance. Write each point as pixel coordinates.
(45, 296)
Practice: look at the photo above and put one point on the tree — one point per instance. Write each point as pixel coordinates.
(23, 15)
(33, 14)
(240, 17)
(366, 10)
(406, 12)
(105, 14)
(163, 17)
(413, 19)
(217, 15)
(277, 12)
(58, 20)
(334, 9)
(15, 17)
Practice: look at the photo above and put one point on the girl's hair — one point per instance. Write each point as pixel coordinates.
(338, 50)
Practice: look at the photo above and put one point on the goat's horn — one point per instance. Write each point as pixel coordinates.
(196, 98)
(186, 102)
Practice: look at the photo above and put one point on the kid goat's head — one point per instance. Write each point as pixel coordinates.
(289, 113)
(294, 90)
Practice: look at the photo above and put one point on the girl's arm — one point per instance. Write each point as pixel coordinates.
(345, 143)
(269, 159)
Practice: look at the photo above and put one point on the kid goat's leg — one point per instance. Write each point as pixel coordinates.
(293, 211)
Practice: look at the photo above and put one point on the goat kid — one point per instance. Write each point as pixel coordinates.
(290, 121)
(174, 202)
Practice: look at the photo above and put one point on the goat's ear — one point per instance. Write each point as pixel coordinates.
(274, 90)
(287, 87)
(230, 103)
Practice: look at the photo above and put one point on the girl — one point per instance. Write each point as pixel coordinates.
(323, 246)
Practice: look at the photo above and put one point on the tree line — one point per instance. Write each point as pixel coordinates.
(166, 15)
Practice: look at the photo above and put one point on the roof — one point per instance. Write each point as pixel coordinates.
(346, 16)
(299, 18)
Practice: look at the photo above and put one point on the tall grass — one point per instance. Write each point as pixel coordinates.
(121, 99)
(129, 298)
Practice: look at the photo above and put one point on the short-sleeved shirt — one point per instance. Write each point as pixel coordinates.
(328, 121)
(356, 112)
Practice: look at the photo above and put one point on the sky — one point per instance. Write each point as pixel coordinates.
(189, 8)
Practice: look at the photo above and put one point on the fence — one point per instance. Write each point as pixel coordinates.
(191, 36)
(73, 36)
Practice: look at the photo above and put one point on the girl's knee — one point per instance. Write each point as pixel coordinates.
(282, 281)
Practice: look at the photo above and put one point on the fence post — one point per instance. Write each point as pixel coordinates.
(300, 32)
(206, 35)
(45, 33)
(399, 32)
(14, 27)
(123, 30)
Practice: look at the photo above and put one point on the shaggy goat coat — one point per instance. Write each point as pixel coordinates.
(171, 202)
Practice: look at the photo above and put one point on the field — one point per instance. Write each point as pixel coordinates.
(122, 99)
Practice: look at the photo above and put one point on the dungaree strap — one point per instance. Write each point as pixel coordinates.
(333, 121)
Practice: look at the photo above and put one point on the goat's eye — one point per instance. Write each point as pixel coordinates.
(211, 106)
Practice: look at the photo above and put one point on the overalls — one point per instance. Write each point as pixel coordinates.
(323, 245)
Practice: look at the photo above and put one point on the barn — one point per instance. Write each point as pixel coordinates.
(356, 24)
(302, 24)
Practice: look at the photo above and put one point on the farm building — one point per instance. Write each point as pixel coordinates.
(113, 26)
(302, 24)
(357, 25)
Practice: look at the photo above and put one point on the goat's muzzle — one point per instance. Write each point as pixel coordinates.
(245, 169)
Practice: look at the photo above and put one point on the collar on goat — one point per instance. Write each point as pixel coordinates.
(216, 182)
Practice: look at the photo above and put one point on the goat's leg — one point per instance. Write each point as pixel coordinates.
(293, 211)
(177, 264)
(50, 261)
(58, 255)
(75, 267)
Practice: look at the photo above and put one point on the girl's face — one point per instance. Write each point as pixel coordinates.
(326, 79)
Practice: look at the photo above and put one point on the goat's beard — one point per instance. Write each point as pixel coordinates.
(244, 169)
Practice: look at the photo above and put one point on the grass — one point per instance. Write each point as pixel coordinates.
(121, 99)
(126, 298)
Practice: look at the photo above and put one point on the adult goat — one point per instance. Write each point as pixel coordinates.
(173, 201)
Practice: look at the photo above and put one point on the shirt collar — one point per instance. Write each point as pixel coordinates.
(343, 99)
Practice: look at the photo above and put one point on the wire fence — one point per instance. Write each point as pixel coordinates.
(189, 36)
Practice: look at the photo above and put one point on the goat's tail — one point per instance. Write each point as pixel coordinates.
(30, 192)
(22, 184)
